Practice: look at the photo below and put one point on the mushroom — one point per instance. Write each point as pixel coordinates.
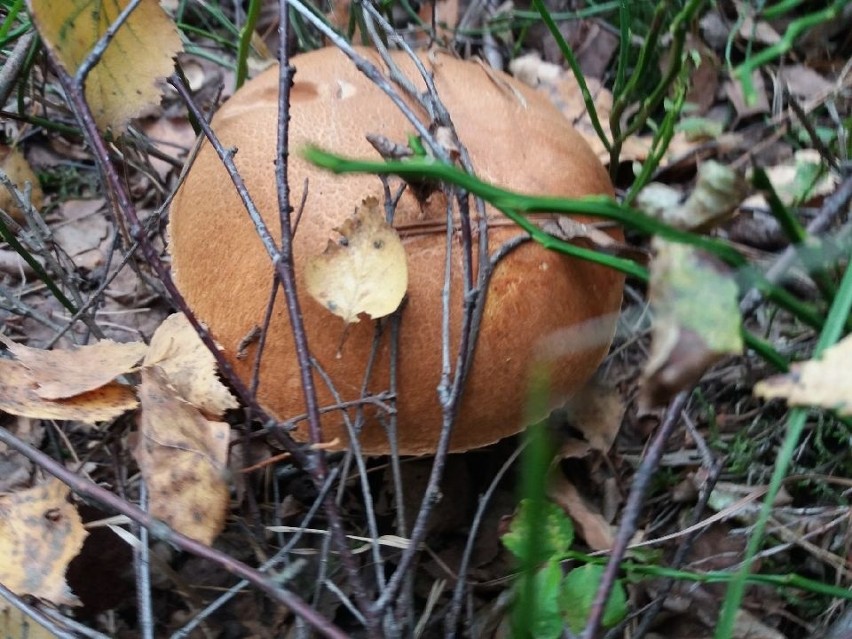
(516, 139)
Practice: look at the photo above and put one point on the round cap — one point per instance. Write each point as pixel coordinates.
(516, 139)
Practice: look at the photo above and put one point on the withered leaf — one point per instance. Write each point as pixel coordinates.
(364, 272)
(825, 382)
(189, 366)
(40, 532)
(183, 459)
(61, 374)
(18, 395)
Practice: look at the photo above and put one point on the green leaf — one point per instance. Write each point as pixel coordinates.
(547, 622)
(578, 592)
(557, 531)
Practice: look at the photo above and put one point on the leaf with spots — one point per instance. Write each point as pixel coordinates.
(825, 382)
(364, 272)
(189, 366)
(19, 396)
(183, 458)
(125, 81)
(40, 532)
(61, 374)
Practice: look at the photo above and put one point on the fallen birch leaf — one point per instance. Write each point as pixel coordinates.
(183, 458)
(364, 272)
(189, 366)
(18, 396)
(61, 374)
(40, 532)
(124, 82)
(825, 382)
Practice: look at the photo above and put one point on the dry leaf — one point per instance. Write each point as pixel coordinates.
(64, 374)
(183, 458)
(15, 165)
(718, 192)
(85, 233)
(798, 182)
(591, 524)
(125, 81)
(697, 320)
(364, 272)
(596, 411)
(189, 366)
(824, 382)
(40, 532)
(18, 396)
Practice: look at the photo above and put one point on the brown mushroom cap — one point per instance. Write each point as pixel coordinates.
(516, 138)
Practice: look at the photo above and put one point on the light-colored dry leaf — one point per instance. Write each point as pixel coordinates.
(15, 165)
(19, 396)
(825, 382)
(596, 410)
(366, 271)
(590, 523)
(40, 532)
(803, 82)
(61, 374)
(183, 458)
(84, 233)
(172, 136)
(798, 182)
(562, 88)
(744, 108)
(718, 192)
(696, 320)
(189, 366)
(126, 80)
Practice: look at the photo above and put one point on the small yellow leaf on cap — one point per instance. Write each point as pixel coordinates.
(365, 271)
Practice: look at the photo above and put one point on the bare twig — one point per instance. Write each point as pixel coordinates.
(632, 509)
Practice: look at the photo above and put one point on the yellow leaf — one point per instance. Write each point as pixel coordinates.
(13, 162)
(364, 272)
(824, 382)
(124, 82)
(40, 532)
(61, 374)
(189, 366)
(183, 458)
(18, 395)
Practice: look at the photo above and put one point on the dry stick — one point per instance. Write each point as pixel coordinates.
(314, 464)
(680, 555)
(75, 92)
(13, 65)
(285, 270)
(632, 509)
(89, 489)
(451, 620)
(831, 209)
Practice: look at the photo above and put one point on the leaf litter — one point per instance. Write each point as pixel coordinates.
(731, 418)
